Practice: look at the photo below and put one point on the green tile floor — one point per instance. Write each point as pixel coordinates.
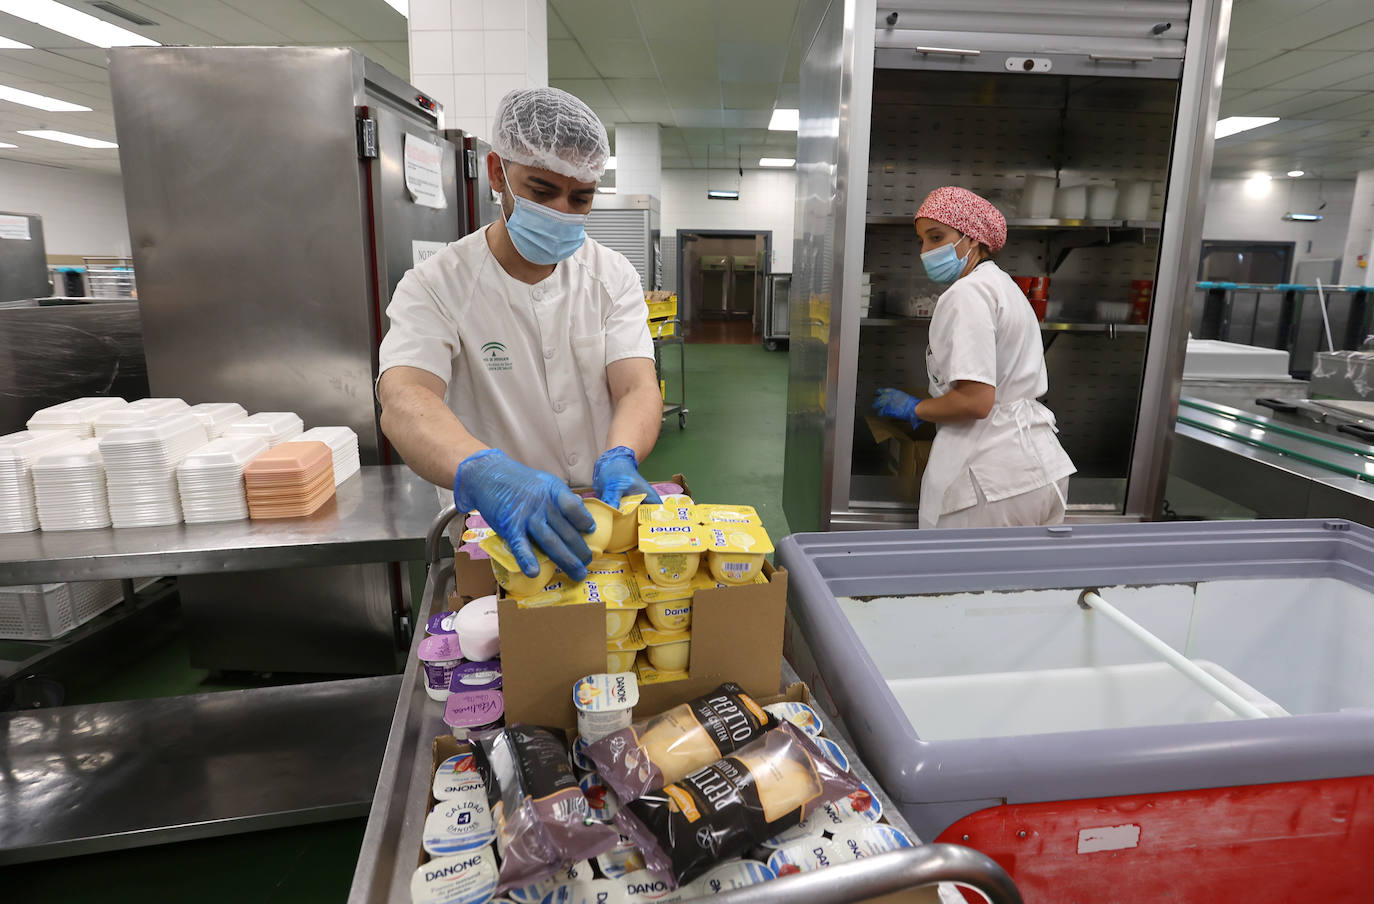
(731, 451)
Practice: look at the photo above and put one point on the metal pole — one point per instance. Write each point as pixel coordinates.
(1326, 318)
(1092, 600)
(436, 533)
(883, 874)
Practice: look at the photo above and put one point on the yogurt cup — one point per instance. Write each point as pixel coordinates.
(675, 615)
(665, 490)
(580, 759)
(799, 714)
(441, 623)
(600, 797)
(508, 573)
(672, 551)
(729, 876)
(859, 808)
(468, 878)
(604, 515)
(833, 752)
(604, 704)
(459, 824)
(815, 852)
(620, 622)
(648, 675)
(620, 654)
(479, 629)
(477, 676)
(728, 514)
(861, 841)
(674, 507)
(667, 651)
(736, 552)
(624, 527)
(580, 873)
(591, 891)
(621, 860)
(439, 656)
(457, 776)
(643, 887)
(467, 711)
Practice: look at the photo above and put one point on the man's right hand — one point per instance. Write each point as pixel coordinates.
(526, 506)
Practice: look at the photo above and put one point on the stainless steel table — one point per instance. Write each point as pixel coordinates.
(97, 777)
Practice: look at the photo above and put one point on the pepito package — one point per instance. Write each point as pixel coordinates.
(660, 750)
(543, 823)
(734, 804)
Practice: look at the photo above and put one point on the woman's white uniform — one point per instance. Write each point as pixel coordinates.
(1007, 468)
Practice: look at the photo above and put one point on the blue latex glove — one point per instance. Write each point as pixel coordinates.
(895, 403)
(616, 475)
(524, 505)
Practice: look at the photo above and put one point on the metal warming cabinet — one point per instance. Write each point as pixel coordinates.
(1092, 101)
(276, 196)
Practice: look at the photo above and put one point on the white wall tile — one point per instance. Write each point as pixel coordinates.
(430, 52)
(537, 20)
(767, 202)
(429, 15)
(503, 14)
(475, 125)
(507, 51)
(437, 84)
(498, 86)
(537, 56)
(470, 95)
(466, 13)
(469, 52)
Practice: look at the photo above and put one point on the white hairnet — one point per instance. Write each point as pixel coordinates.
(553, 130)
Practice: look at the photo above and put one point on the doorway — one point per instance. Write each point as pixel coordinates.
(722, 276)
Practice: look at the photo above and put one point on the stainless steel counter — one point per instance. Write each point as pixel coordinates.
(380, 515)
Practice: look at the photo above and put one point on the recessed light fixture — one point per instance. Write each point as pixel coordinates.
(1295, 173)
(74, 23)
(68, 138)
(8, 44)
(610, 162)
(717, 194)
(39, 101)
(5, 144)
(1303, 217)
(785, 120)
(779, 162)
(605, 189)
(401, 6)
(1231, 125)
(1257, 186)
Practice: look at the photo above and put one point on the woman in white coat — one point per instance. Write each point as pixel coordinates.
(996, 461)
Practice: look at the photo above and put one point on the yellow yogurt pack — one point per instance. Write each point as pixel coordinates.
(508, 573)
(735, 552)
(672, 615)
(674, 508)
(620, 654)
(624, 527)
(648, 674)
(671, 550)
(728, 514)
(667, 651)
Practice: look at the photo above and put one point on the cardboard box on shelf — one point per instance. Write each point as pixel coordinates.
(908, 450)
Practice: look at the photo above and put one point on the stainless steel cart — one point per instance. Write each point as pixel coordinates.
(679, 405)
(391, 842)
(777, 327)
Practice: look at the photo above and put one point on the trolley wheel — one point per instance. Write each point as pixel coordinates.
(771, 345)
(682, 420)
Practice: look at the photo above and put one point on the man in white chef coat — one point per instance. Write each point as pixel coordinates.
(518, 359)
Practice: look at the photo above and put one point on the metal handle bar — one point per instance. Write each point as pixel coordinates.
(949, 51)
(1119, 58)
(883, 874)
(436, 530)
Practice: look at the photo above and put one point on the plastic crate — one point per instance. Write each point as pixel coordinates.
(47, 611)
(662, 329)
(662, 309)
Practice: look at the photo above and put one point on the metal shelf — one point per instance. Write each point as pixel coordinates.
(1068, 327)
(891, 321)
(1029, 223)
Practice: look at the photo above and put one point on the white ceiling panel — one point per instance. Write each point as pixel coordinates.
(693, 93)
(622, 58)
(593, 91)
(749, 95)
(298, 22)
(589, 19)
(1355, 37)
(683, 59)
(761, 21)
(219, 19)
(1286, 65)
(1284, 25)
(676, 20)
(699, 119)
(750, 61)
(1332, 75)
(566, 60)
(1256, 103)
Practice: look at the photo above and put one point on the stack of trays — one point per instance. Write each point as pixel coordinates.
(69, 487)
(274, 426)
(217, 416)
(291, 480)
(210, 479)
(77, 416)
(18, 511)
(134, 413)
(140, 468)
(343, 445)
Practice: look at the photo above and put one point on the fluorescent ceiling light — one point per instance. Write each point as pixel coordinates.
(29, 99)
(605, 189)
(1303, 217)
(8, 44)
(1295, 173)
(73, 23)
(785, 120)
(401, 6)
(68, 138)
(7, 145)
(1234, 124)
(781, 162)
(716, 194)
(610, 162)
(1257, 186)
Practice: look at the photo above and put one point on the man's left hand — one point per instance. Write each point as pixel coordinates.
(616, 475)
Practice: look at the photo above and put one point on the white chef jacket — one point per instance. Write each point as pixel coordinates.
(524, 365)
(985, 331)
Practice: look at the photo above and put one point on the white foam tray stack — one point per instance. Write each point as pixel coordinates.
(18, 505)
(343, 445)
(69, 487)
(210, 479)
(140, 468)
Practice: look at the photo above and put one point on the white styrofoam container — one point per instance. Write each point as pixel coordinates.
(77, 415)
(1211, 359)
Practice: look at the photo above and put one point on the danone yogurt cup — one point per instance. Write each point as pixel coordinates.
(729, 876)
(457, 776)
(580, 759)
(600, 797)
(674, 507)
(859, 841)
(621, 860)
(620, 654)
(467, 711)
(477, 676)
(439, 655)
(459, 824)
(468, 878)
(604, 704)
(672, 551)
(591, 891)
(728, 514)
(644, 887)
(799, 714)
(812, 853)
(858, 808)
(604, 515)
(735, 552)
(580, 873)
(625, 524)
(674, 615)
(668, 651)
(649, 675)
(508, 573)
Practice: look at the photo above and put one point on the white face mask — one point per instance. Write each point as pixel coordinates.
(541, 234)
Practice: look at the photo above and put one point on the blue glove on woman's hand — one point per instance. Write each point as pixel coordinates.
(616, 475)
(524, 505)
(895, 403)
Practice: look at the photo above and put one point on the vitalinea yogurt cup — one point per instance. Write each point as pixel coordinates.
(467, 711)
(439, 656)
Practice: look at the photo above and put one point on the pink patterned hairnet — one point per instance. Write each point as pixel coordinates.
(961, 209)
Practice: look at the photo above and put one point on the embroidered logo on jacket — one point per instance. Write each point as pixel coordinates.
(494, 355)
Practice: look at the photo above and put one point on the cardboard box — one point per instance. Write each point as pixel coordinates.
(908, 449)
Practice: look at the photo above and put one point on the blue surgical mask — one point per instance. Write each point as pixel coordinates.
(541, 234)
(944, 264)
